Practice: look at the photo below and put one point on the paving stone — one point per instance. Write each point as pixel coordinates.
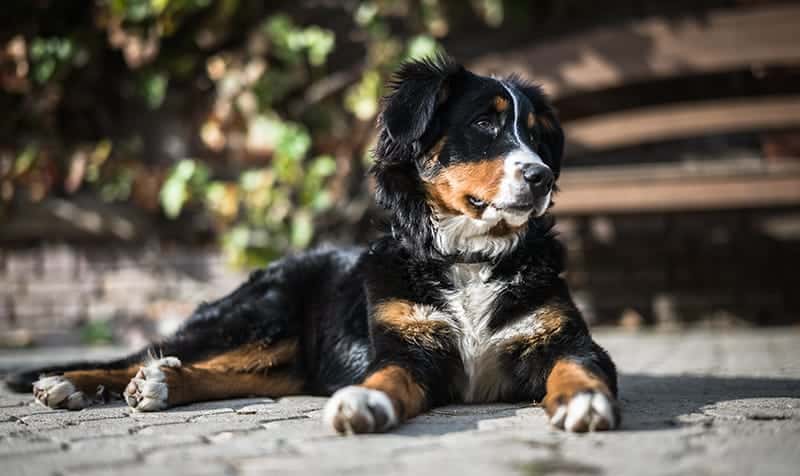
(693, 403)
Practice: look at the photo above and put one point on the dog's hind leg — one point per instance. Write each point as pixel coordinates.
(250, 370)
(77, 386)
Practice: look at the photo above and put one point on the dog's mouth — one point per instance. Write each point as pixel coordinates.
(518, 208)
(535, 206)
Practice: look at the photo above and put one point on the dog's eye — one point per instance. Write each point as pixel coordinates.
(476, 202)
(484, 124)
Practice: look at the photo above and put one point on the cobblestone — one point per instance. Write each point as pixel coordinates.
(693, 403)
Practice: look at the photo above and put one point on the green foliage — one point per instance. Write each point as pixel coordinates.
(291, 42)
(187, 177)
(271, 134)
(97, 332)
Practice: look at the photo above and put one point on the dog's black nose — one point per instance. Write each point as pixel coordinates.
(539, 177)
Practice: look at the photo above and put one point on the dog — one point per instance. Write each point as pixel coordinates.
(461, 300)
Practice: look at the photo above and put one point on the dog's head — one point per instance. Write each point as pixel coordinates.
(465, 162)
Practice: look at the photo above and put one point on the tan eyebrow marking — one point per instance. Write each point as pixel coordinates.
(500, 103)
(531, 120)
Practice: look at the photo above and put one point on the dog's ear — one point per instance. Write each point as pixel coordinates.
(416, 90)
(407, 128)
(548, 127)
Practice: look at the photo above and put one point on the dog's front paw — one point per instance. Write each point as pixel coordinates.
(58, 392)
(148, 391)
(585, 411)
(356, 409)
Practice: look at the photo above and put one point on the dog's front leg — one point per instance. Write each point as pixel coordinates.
(414, 352)
(386, 398)
(580, 397)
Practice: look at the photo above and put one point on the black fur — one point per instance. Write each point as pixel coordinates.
(327, 298)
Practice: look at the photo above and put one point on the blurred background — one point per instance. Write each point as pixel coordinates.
(153, 151)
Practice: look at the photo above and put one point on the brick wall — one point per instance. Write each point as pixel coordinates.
(734, 267)
(49, 292)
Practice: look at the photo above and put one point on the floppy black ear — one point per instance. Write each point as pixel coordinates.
(406, 130)
(416, 89)
(550, 134)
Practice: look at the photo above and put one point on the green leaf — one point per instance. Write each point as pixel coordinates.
(25, 160)
(294, 143)
(322, 166)
(320, 43)
(362, 98)
(153, 88)
(302, 229)
(185, 175)
(174, 194)
(421, 46)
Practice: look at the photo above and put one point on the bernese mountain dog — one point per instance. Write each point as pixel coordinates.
(462, 299)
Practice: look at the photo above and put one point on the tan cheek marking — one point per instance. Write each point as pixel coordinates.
(500, 103)
(447, 191)
(531, 120)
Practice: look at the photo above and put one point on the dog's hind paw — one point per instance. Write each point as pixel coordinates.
(586, 411)
(356, 409)
(148, 391)
(58, 392)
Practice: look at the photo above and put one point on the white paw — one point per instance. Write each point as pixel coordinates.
(586, 411)
(147, 391)
(58, 392)
(356, 409)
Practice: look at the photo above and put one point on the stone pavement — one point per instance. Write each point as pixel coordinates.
(701, 402)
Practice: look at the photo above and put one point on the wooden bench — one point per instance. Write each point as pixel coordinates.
(674, 187)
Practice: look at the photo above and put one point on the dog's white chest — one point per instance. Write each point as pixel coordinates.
(471, 304)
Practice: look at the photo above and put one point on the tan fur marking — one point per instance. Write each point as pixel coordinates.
(400, 316)
(433, 155)
(549, 320)
(407, 396)
(88, 381)
(531, 120)
(251, 370)
(252, 357)
(500, 103)
(448, 190)
(566, 380)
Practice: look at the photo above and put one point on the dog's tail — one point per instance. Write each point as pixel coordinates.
(22, 380)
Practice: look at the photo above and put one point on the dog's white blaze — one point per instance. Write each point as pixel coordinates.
(513, 182)
(471, 304)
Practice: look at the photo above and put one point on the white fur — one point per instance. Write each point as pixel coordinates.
(586, 411)
(464, 234)
(353, 401)
(471, 304)
(148, 391)
(58, 392)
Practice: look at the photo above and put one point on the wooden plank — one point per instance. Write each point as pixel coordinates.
(678, 121)
(721, 40)
(582, 197)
